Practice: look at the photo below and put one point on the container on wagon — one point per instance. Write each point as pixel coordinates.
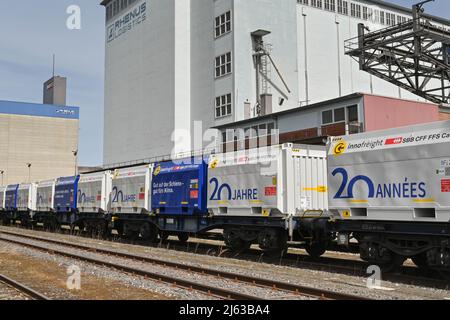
(131, 190)
(94, 192)
(26, 197)
(66, 192)
(2, 198)
(11, 197)
(284, 180)
(399, 174)
(45, 191)
(179, 187)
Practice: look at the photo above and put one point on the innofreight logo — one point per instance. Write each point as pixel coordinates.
(127, 22)
(340, 148)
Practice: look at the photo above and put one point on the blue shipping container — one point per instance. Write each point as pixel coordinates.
(11, 197)
(180, 189)
(66, 190)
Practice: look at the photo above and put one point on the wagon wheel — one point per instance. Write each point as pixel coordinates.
(420, 260)
(393, 265)
(316, 249)
(148, 232)
(183, 237)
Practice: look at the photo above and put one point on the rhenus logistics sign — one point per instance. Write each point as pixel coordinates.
(127, 22)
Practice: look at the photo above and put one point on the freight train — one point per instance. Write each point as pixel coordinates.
(254, 196)
(389, 190)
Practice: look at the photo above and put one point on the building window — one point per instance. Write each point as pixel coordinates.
(316, 3)
(115, 7)
(223, 65)
(304, 2)
(356, 10)
(365, 13)
(382, 21)
(377, 16)
(123, 4)
(330, 5)
(223, 24)
(339, 115)
(109, 11)
(370, 14)
(390, 19)
(223, 106)
(352, 114)
(343, 7)
(327, 117)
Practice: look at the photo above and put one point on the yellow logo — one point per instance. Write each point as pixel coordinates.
(347, 214)
(340, 148)
(157, 171)
(214, 164)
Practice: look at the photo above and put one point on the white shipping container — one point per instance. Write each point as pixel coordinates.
(398, 174)
(284, 180)
(94, 192)
(26, 197)
(45, 195)
(131, 190)
(2, 198)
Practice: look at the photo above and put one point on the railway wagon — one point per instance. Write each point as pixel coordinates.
(10, 202)
(65, 200)
(26, 203)
(391, 191)
(130, 201)
(45, 193)
(45, 196)
(286, 182)
(93, 201)
(2, 203)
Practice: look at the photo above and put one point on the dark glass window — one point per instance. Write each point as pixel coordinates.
(339, 115)
(353, 114)
(327, 117)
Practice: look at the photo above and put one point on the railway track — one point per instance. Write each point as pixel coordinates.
(244, 280)
(347, 263)
(15, 290)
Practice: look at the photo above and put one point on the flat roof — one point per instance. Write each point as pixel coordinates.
(314, 106)
(295, 110)
(375, 2)
(39, 110)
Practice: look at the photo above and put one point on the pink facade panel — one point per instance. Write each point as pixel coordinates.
(384, 113)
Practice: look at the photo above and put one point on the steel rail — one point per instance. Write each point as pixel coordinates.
(23, 288)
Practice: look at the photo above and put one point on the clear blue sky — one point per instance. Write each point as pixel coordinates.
(32, 30)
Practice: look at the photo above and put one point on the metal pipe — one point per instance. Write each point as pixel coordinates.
(306, 60)
(279, 73)
(339, 58)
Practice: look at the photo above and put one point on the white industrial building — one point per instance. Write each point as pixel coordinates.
(171, 63)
